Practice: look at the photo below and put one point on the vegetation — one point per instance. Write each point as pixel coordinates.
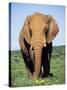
(19, 73)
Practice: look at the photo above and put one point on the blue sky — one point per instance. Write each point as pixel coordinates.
(19, 11)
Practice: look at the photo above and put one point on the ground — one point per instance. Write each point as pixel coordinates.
(19, 74)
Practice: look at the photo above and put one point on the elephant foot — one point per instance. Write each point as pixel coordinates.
(47, 75)
(35, 76)
(30, 75)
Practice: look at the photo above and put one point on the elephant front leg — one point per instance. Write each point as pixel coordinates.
(45, 62)
(46, 67)
(49, 58)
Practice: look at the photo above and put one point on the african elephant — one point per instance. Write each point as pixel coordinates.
(38, 31)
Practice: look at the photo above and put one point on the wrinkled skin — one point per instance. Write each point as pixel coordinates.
(38, 30)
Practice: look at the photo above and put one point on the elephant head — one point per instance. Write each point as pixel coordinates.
(38, 30)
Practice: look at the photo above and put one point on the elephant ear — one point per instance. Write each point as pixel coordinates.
(53, 29)
(26, 30)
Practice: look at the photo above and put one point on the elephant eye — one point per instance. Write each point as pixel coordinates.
(30, 33)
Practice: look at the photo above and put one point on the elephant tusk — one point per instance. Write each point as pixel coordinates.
(31, 48)
(31, 54)
(44, 45)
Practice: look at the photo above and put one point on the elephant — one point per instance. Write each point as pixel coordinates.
(35, 40)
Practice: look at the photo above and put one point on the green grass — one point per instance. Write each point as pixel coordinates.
(19, 74)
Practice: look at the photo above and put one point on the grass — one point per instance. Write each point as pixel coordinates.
(19, 76)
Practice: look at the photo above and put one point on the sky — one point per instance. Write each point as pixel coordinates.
(19, 12)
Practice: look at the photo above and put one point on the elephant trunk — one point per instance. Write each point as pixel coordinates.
(38, 52)
(37, 43)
